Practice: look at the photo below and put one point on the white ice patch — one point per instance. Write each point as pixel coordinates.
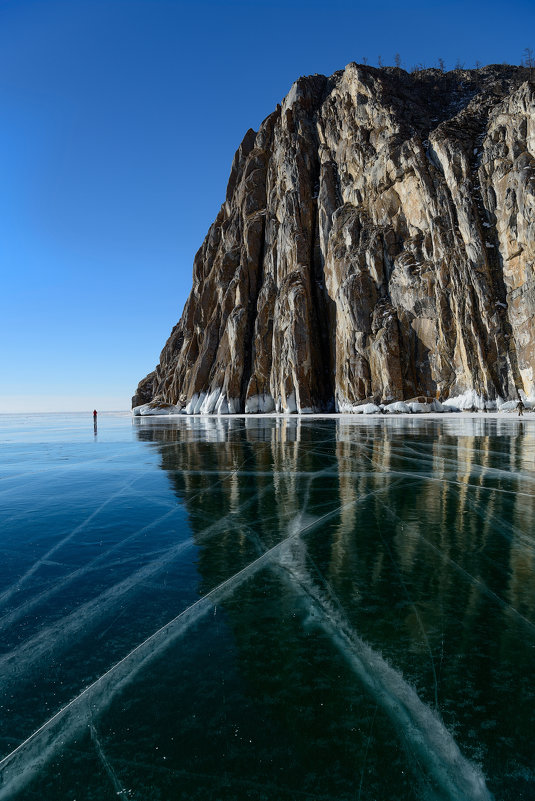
(221, 405)
(150, 410)
(419, 408)
(291, 404)
(509, 406)
(234, 405)
(367, 408)
(199, 402)
(210, 402)
(398, 407)
(343, 406)
(467, 400)
(260, 404)
(190, 406)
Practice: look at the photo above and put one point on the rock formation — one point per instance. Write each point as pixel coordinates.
(377, 242)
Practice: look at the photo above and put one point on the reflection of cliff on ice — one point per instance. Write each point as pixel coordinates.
(451, 775)
(17, 768)
(421, 729)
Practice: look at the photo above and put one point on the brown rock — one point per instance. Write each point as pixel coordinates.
(377, 240)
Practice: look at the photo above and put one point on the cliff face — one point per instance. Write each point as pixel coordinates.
(377, 240)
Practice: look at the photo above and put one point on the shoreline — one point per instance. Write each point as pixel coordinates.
(461, 415)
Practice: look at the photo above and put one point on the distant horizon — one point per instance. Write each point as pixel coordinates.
(70, 411)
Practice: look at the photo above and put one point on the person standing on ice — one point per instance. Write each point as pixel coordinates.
(520, 406)
(94, 414)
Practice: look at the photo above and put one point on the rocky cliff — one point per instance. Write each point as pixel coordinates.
(377, 240)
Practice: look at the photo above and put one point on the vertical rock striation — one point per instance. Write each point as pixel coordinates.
(377, 240)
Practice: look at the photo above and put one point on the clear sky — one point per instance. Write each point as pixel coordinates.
(118, 124)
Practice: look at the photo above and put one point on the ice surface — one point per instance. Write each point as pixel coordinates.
(384, 503)
(75, 575)
(108, 767)
(18, 767)
(35, 650)
(457, 778)
(17, 586)
(474, 581)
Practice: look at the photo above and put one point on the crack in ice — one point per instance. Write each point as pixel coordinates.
(17, 767)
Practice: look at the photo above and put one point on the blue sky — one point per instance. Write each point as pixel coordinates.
(118, 124)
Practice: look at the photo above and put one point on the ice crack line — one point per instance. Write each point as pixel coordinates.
(12, 616)
(116, 784)
(18, 661)
(420, 727)
(7, 594)
(18, 767)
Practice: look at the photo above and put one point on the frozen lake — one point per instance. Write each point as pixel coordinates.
(270, 609)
